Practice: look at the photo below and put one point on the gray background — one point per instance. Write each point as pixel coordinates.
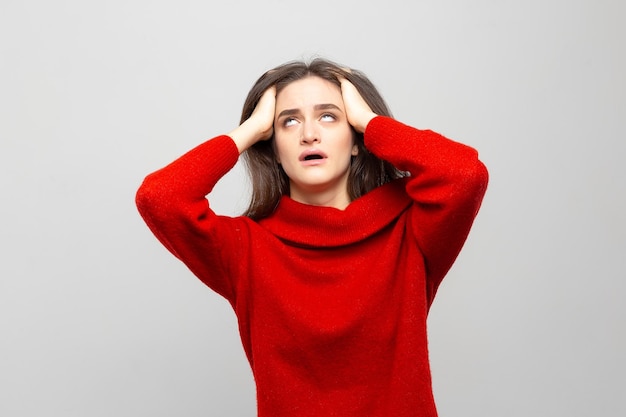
(97, 319)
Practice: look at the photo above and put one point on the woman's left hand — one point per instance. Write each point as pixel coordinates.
(358, 111)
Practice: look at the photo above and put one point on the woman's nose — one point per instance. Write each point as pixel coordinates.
(310, 133)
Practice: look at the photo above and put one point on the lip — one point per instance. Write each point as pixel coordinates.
(312, 151)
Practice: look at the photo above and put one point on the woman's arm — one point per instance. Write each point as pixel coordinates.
(447, 181)
(172, 201)
(260, 124)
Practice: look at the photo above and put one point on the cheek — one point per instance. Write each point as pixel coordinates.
(276, 152)
(351, 142)
(281, 148)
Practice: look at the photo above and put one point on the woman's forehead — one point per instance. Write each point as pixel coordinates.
(309, 91)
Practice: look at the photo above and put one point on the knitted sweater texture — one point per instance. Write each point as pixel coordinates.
(331, 304)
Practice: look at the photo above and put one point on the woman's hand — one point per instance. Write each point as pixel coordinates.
(263, 114)
(260, 124)
(358, 111)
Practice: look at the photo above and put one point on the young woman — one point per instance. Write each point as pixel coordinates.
(354, 220)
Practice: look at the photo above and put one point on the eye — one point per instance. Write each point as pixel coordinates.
(289, 121)
(328, 117)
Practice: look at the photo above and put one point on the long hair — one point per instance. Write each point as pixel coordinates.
(269, 181)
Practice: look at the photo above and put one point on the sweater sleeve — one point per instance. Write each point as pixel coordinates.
(172, 201)
(447, 183)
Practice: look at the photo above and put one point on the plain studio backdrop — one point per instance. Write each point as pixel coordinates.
(98, 319)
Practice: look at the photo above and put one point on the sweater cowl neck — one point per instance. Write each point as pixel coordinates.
(317, 226)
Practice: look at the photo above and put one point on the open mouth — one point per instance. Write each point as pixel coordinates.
(312, 155)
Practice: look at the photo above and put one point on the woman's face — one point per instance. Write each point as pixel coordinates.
(314, 141)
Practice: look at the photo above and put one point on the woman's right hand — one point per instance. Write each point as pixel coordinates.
(260, 124)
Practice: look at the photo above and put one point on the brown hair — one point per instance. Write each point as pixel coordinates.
(269, 181)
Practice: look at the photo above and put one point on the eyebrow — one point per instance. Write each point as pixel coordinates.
(291, 112)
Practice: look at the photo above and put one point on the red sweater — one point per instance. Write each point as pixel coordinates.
(331, 304)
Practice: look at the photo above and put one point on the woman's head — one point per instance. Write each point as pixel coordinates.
(269, 180)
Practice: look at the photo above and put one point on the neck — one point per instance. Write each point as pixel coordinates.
(337, 198)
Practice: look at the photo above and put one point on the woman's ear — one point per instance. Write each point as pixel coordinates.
(355, 150)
